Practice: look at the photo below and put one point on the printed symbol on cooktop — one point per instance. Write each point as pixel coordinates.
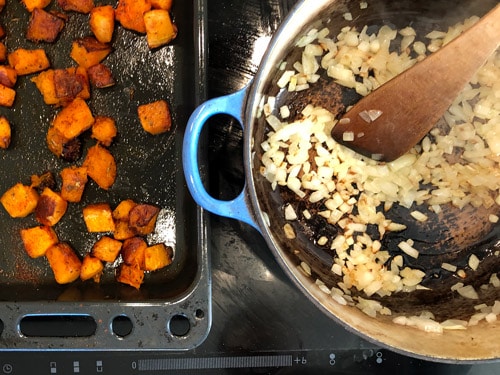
(53, 367)
(98, 366)
(7, 368)
(332, 358)
(76, 367)
(379, 357)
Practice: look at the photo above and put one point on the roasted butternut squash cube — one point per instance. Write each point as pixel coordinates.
(123, 231)
(44, 26)
(107, 249)
(37, 240)
(88, 51)
(102, 23)
(155, 117)
(64, 263)
(133, 252)
(142, 218)
(98, 217)
(91, 268)
(156, 257)
(8, 76)
(3, 52)
(73, 119)
(122, 211)
(104, 130)
(161, 4)
(71, 83)
(26, 61)
(2, 4)
(7, 96)
(130, 14)
(160, 29)
(62, 86)
(44, 82)
(51, 207)
(41, 181)
(130, 275)
(20, 200)
(100, 76)
(74, 180)
(5, 132)
(67, 149)
(80, 6)
(32, 4)
(101, 166)
(121, 215)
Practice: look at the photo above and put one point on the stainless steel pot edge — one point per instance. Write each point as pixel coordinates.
(302, 14)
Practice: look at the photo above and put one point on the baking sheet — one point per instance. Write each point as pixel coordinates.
(148, 171)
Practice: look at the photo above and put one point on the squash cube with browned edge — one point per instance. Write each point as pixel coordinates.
(62, 86)
(32, 4)
(5, 132)
(91, 268)
(142, 218)
(80, 6)
(74, 180)
(56, 141)
(51, 207)
(106, 249)
(100, 76)
(43, 180)
(98, 217)
(160, 29)
(155, 117)
(104, 130)
(130, 275)
(102, 23)
(130, 14)
(44, 26)
(74, 119)
(20, 200)
(157, 256)
(8, 76)
(71, 83)
(101, 166)
(88, 51)
(133, 251)
(37, 240)
(64, 263)
(26, 61)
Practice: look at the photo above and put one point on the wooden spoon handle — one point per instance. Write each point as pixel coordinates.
(412, 102)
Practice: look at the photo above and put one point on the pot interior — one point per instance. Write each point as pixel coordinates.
(451, 236)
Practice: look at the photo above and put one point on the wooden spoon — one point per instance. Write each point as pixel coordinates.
(403, 110)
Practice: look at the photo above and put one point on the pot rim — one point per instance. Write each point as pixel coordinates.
(381, 330)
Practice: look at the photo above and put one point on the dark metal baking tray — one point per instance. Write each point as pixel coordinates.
(172, 309)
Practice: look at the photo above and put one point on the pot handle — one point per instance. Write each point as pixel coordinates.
(238, 208)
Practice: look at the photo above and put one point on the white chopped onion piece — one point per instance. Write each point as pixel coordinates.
(473, 262)
(449, 267)
(348, 136)
(365, 116)
(408, 249)
(468, 291)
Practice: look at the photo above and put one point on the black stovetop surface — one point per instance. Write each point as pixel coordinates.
(261, 323)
